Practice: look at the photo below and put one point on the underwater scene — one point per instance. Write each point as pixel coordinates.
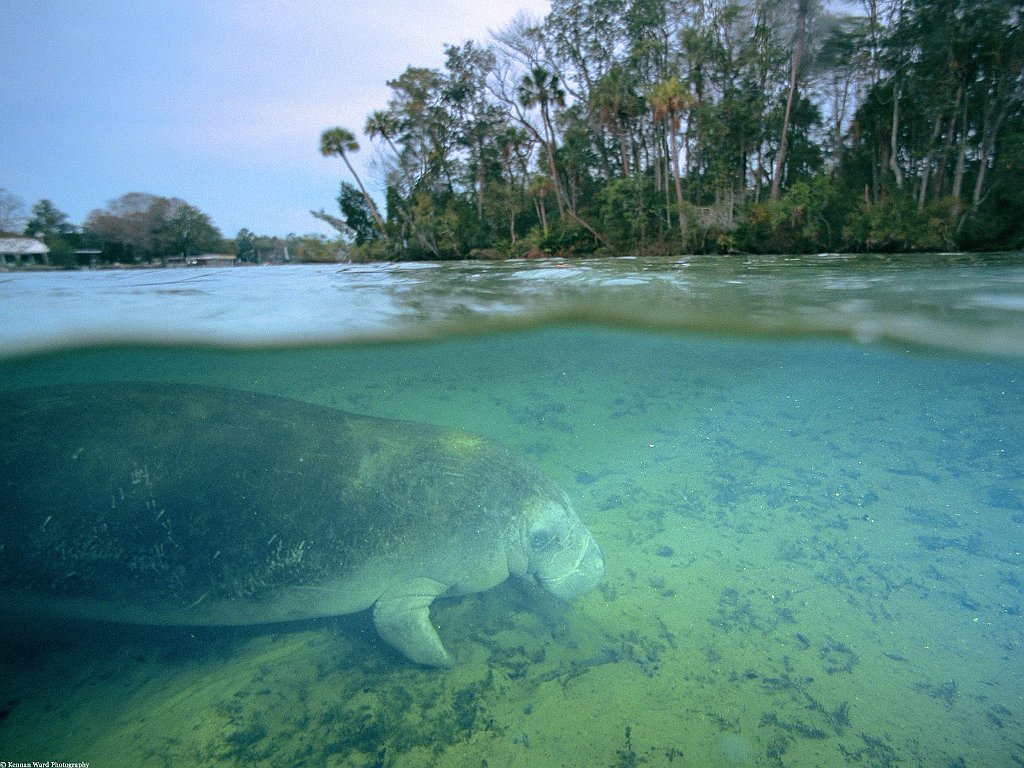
(813, 556)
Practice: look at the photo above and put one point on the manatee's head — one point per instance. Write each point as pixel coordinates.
(560, 553)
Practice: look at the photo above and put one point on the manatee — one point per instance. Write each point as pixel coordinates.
(158, 503)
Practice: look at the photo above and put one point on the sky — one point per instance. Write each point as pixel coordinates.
(218, 102)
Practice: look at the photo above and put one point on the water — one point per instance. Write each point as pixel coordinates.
(806, 475)
(953, 302)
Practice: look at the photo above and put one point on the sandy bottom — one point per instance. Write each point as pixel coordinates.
(814, 558)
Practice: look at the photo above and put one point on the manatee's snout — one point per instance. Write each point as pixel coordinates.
(581, 576)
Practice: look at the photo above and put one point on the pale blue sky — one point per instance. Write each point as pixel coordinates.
(218, 102)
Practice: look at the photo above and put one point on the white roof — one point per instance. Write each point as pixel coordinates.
(22, 246)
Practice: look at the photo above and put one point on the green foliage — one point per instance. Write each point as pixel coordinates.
(437, 224)
(795, 224)
(628, 126)
(62, 253)
(567, 238)
(187, 231)
(139, 227)
(630, 213)
(997, 223)
(246, 249)
(896, 224)
(356, 214)
(48, 222)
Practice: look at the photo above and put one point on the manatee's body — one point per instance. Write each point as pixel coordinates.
(179, 504)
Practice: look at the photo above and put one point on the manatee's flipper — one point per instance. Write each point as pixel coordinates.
(402, 616)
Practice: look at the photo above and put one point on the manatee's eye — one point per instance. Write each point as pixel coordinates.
(541, 540)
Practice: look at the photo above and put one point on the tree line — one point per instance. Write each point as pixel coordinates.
(141, 228)
(711, 126)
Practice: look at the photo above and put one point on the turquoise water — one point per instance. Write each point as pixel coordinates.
(814, 549)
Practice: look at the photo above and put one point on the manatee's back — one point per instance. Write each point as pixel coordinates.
(168, 494)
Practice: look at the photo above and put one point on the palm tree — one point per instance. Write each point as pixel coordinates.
(340, 141)
(540, 88)
(385, 125)
(670, 99)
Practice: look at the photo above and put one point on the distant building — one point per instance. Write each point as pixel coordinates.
(18, 251)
